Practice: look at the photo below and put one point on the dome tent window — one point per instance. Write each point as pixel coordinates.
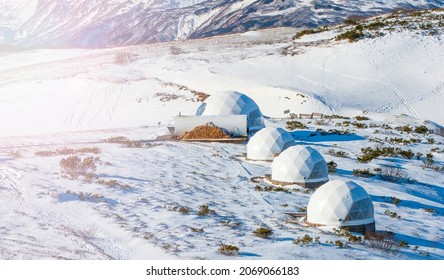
(255, 118)
(318, 171)
(361, 210)
(201, 109)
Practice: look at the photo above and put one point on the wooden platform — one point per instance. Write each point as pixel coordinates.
(237, 140)
(228, 140)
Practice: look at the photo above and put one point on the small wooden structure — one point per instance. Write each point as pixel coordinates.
(311, 116)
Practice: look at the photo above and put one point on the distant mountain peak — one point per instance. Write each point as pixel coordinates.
(107, 23)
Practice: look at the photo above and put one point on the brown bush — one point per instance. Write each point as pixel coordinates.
(263, 232)
(45, 153)
(175, 50)
(65, 151)
(393, 174)
(200, 95)
(204, 210)
(68, 151)
(94, 150)
(207, 131)
(74, 166)
(228, 250)
(383, 242)
(15, 154)
(116, 139)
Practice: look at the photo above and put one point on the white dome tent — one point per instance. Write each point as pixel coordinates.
(268, 142)
(233, 103)
(342, 204)
(300, 165)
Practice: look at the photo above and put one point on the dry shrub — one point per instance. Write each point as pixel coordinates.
(263, 232)
(231, 223)
(117, 140)
(15, 154)
(184, 210)
(94, 150)
(228, 250)
(200, 95)
(113, 183)
(383, 242)
(109, 183)
(198, 230)
(393, 174)
(306, 239)
(133, 144)
(204, 210)
(175, 50)
(126, 143)
(206, 131)
(65, 151)
(140, 144)
(68, 151)
(86, 196)
(45, 153)
(75, 166)
(167, 97)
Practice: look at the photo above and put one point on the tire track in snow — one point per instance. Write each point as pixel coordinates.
(20, 74)
(242, 171)
(438, 90)
(74, 114)
(112, 108)
(397, 92)
(9, 184)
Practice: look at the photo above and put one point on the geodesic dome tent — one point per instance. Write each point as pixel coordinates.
(342, 204)
(268, 142)
(300, 165)
(233, 103)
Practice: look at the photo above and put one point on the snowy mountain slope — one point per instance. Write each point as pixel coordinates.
(144, 85)
(85, 23)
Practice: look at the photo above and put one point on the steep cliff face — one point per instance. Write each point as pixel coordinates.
(105, 23)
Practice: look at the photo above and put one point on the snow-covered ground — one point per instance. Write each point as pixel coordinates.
(131, 210)
(55, 99)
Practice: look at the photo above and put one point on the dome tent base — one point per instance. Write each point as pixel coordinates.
(308, 185)
(361, 228)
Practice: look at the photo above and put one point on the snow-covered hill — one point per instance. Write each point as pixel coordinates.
(86, 23)
(143, 198)
(398, 73)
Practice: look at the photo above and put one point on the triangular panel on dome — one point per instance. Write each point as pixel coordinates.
(361, 210)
